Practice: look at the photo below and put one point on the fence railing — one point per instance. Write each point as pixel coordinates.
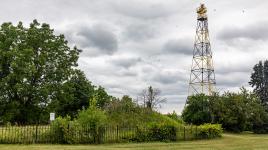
(87, 135)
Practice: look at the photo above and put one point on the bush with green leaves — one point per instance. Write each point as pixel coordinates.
(92, 117)
(209, 131)
(236, 112)
(94, 120)
(64, 131)
(162, 132)
(175, 117)
(259, 119)
(58, 129)
(156, 132)
(197, 110)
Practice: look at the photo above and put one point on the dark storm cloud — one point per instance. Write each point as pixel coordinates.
(165, 79)
(168, 77)
(178, 46)
(98, 37)
(256, 31)
(128, 73)
(125, 62)
(139, 32)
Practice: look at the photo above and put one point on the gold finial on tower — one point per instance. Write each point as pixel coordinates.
(201, 12)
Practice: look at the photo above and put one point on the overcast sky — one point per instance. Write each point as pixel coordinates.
(131, 44)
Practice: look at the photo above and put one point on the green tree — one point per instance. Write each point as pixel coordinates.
(257, 117)
(197, 110)
(238, 111)
(259, 81)
(233, 112)
(34, 65)
(102, 97)
(74, 95)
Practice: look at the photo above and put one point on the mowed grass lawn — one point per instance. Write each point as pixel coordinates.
(227, 142)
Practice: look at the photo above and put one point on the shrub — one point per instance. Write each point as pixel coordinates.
(63, 130)
(175, 117)
(90, 126)
(58, 129)
(209, 131)
(94, 120)
(92, 117)
(259, 120)
(260, 128)
(156, 132)
(162, 132)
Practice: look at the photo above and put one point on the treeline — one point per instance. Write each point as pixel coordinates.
(237, 112)
(39, 75)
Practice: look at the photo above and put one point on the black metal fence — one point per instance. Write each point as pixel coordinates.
(87, 135)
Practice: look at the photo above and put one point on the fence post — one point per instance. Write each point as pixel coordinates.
(184, 136)
(36, 133)
(195, 132)
(117, 134)
(68, 133)
(192, 137)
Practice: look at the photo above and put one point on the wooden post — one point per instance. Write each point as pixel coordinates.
(117, 133)
(195, 132)
(36, 133)
(184, 136)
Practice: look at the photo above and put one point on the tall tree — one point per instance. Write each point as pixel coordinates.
(34, 65)
(152, 98)
(102, 97)
(259, 81)
(197, 110)
(74, 96)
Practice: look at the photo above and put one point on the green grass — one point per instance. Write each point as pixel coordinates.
(227, 142)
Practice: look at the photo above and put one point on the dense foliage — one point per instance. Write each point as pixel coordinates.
(74, 95)
(34, 64)
(126, 112)
(157, 132)
(197, 111)
(38, 75)
(209, 131)
(235, 111)
(175, 117)
(259, 81)
(92, 116)
(171, 132)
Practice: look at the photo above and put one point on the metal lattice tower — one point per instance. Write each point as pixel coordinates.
(202, 77)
